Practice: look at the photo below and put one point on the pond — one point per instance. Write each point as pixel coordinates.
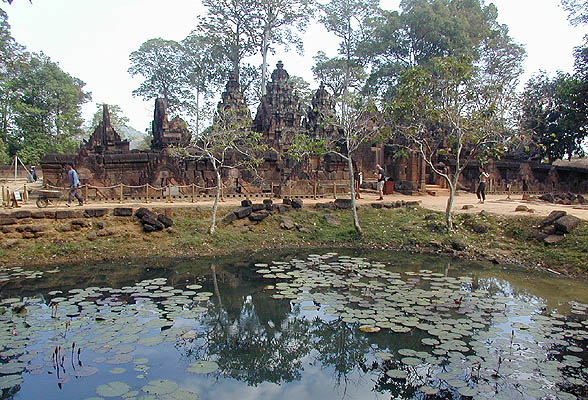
(297, 324)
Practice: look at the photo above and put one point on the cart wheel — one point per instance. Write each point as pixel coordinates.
(42, 202)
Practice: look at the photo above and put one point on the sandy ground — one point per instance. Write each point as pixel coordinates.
(495, 204)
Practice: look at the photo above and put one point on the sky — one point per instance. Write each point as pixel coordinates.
(92, 40)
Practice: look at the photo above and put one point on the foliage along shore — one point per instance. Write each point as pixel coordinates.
(481, 236)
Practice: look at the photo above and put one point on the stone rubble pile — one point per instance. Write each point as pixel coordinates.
(555, 226)
(260, 211)
(152, 221)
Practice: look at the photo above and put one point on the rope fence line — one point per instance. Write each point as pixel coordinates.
(192, 192)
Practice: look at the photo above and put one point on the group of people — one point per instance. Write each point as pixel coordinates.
(380, 173)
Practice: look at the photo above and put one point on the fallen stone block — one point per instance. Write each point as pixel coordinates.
(282, 208)
(567, 224)
(227, 219)
(122, 212)
(287, 224)
(242, 212)
(21, 214)
(287, 201)
(68, 214)
(377, 205)
(553, 239)
(343, 204)
(297, 203)
(165, 220)
(412, 203)
(259, 216)
(548, 197)
(467, 207)
(141, 211)
(552, 217)
(38, 214)
(79, 222)
(7, 221)
(257, 207)
(95, 212)
(8, 229)
(522, 208)
(268, 201)
(246, 203)
(549, 229)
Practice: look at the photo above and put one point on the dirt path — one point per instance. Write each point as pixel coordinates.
(495, 204)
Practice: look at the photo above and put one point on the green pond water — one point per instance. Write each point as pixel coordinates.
(292, 325)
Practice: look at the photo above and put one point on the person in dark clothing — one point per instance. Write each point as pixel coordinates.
(74, 183)
(481, 192)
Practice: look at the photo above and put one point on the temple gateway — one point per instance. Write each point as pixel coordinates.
(105, 160)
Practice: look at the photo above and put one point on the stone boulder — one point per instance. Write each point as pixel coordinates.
(287, 223)
(7, 221)
(95, 212)
(246, 203)
(548, 197)
(259, 216)
(165, 220)
(287, 201)
(567, 224)
(282, 208)
(21, 214)
(522, 208)
(141, 212)
(122, 212)
(343, 204)
(242, 212)
(553, 239)
(552, 217)
(377, 205)
(297, 203)
(229, 218)
(257, 207)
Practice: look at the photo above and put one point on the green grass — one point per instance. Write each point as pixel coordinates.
(504, 239)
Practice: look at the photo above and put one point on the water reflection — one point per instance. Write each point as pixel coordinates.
(297, 346)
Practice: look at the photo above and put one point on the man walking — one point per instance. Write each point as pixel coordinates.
(74, 182)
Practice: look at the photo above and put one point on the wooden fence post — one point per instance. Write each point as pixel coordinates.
(86, 193)
(25, 194)
(121, 194)
(146, 193)
(315, 190)
(271, 190)
(193, 192)
(335, 190)
(169, 198)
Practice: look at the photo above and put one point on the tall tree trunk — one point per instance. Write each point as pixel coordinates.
(452, 191)
(352, 191)
(216, 199)
(264, 50)
(197, 112)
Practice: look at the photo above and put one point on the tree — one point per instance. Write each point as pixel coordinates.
(229, 143)
(11, 57)
(424, 30)
(229, 27)
(163, 65)
(277, 23)
(331, 72)
(117, 118)
(578, 11)
(46, 109)
(451, 109)
(351, 123)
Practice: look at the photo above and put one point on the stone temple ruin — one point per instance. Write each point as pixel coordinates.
(106, 161)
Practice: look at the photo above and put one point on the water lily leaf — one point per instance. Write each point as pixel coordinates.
(397, 374)
(160, 387)
(202, 367)
(117, 370)
(113, 389)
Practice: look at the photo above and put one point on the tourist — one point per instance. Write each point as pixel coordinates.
(381, 174)
(74, 183)
(481, 192)
(33, 173)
